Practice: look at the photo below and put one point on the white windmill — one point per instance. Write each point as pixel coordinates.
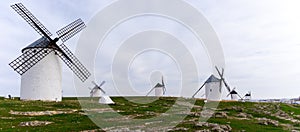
(234, 95)
(96, 92)
(39, 64)
(247, 97)
(213, 88)
(159, 89)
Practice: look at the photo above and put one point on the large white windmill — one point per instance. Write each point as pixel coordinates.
(39, 64)
(96, 92)
(159, 89)
(213, 88)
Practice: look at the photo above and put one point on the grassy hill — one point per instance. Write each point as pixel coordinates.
(70, 115)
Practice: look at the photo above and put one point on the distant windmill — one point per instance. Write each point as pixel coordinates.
(213, 88)
(247, 96)
(39, 65)
(96, 92)
(233, 94)
(160, 89)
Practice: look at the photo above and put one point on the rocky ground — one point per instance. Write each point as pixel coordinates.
(160, 115)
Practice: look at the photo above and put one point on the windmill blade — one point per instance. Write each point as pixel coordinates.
(91, 88)
(244, 97)
(240, 96)
(162, 81)
(150, 91)
(222, 72)
(221, 76)
(28, 59)
(70, 30)
(226, 85)
(198, 90)
(228, 94)
(73, 63)
(102, 83)
(93, 91)
(31, 20)
(94, 83)
(102, 90)
(164, 90)
(220, 86)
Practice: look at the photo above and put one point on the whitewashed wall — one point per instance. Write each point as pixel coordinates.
(43, 81)
(212, 91)
(159, 91)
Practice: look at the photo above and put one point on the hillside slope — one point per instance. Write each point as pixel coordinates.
(69, 115)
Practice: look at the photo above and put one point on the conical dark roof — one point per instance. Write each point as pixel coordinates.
(40, 43)
(212, 78)
(158, 85)
(233, 92)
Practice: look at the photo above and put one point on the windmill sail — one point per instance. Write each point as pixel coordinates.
(199, 90)
(31, 20)
(42, 47)
(101, 84)
(163, 84)
(97, 88)
(70, 30)
(73, 63)
(222, 79)
(28, 59)
(32, 54)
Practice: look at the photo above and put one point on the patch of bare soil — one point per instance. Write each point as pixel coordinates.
(40, 113)
(35, 123)
(101, 110)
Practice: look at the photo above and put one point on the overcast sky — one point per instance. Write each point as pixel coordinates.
(260, 40)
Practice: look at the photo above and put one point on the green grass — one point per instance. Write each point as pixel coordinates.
(77, 121)
(248, 125)
(290, 108)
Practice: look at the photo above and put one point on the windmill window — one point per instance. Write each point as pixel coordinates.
(210, 90)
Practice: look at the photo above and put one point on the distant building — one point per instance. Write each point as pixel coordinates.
(213, 89)
(296, 101)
